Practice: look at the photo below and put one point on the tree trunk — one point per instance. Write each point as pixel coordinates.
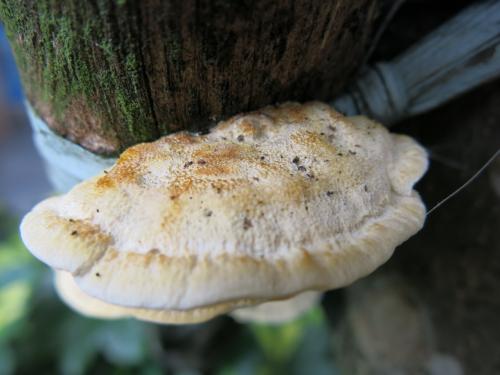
(109, 74)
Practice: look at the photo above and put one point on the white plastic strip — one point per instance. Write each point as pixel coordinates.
(460, 55)
(67, 163)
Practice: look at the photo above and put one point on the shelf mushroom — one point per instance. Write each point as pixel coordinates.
(278, 312)
(89, 306)
(269, 312)
(267, 205)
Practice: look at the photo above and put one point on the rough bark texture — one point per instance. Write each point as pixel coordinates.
(109, 74)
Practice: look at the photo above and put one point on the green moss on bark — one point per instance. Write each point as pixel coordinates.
(69, 63)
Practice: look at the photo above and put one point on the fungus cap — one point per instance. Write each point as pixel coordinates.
(87, 305)
(268, 312)
(267, 205)
(277, 312)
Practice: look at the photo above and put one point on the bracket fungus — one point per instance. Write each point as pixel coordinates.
(277, 312)
(267, 205)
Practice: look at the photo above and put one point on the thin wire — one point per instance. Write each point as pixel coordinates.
(467, 183)
(381, 29)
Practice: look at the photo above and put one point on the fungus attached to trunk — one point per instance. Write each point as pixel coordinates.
(268, 205)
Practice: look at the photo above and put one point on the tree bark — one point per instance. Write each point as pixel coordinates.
(108, 74)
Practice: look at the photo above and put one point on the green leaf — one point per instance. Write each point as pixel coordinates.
(78, 348)
(7, 360)
(249, 363)
(121, 342)
(314, 354)
(279, 342)
(14, 299)
(16, 263)
(13, 252)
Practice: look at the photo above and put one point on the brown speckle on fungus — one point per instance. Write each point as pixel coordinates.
(247, 224)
